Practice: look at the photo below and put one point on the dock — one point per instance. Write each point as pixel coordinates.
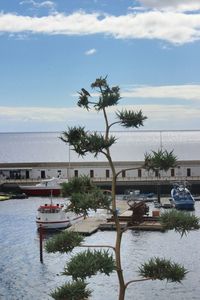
(165, 202)
(92, 224)
(87, 226)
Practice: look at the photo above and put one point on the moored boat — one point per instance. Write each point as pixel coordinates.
(54, 216)
(46, 187)
(182, 198)
(4, 197)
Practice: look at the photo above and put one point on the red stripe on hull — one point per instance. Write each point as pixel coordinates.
(40, 192)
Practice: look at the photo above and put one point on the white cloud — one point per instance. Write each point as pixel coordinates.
(159, 116)
(187, 92)
(176, 28)
(47, 4)
(172, 5)
(91, 51)
(44, 114)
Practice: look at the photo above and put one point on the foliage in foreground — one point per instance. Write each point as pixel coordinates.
(88, 263)
(161, 269)
(75, 290)
(84, 195)
(63, 242)
(182, 222)
(81, 184)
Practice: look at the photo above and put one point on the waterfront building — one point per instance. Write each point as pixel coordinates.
(36, 156)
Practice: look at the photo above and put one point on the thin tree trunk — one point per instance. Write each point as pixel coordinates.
(116, 219)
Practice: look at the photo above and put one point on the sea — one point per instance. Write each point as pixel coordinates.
(130, 146)
(24, 277)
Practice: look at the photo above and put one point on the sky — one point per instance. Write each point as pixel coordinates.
(49, 50)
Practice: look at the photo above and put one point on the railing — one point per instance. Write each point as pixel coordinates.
(147, 179)
(119, 179)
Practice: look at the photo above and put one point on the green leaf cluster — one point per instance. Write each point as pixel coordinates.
(83, 100)
(160, 160)
(161, 269)
(84, 195)
(109, 96)
(81, 184)
(75, 290)
(180, 221)
(130, 118)
(84, 142)
(81, 203)
(88, 263)
(64, 242)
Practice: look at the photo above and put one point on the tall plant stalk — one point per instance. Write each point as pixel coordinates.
(81, 189)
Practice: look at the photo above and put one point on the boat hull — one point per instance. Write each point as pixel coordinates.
(34, 191)
(55, 217)
(53, 225)
(183, 205)
(182, 199)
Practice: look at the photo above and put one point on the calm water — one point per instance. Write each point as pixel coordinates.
(22, 276)
(47, 147)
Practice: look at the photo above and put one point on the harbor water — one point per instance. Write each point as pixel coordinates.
(22, 276)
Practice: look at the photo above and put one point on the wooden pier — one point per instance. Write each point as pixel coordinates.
(97, 222)
(87, 226)
(165, 202)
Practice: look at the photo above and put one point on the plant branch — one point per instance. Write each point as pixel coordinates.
(127, 169)
(137, 280)
(98, 246)
(117, 122)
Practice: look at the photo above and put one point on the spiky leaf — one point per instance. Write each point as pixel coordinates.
(109, 96)
(129, 118)
(83, 100)
(75, 290)
(88, 263)
(82, 184)
(180, 221)
(160, 160)
(84, 195)
(84, 142)
(63, 242)
(161, 269)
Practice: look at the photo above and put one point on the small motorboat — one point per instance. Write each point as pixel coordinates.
(181, 198)
(4, 197)
(51, 216)
(45, 188)
(135, 195)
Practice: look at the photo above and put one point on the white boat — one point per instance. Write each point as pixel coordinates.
(51, 216)
(45, 188)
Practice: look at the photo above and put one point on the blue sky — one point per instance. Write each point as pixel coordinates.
(49, 50)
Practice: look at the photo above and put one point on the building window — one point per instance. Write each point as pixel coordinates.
(156, 173)
(43, 175)
(107, 173)
(172, 173)
(75, 173)
(188, 172)
(27, 174)
(123, 173)
(139, 173)
(91, 173)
